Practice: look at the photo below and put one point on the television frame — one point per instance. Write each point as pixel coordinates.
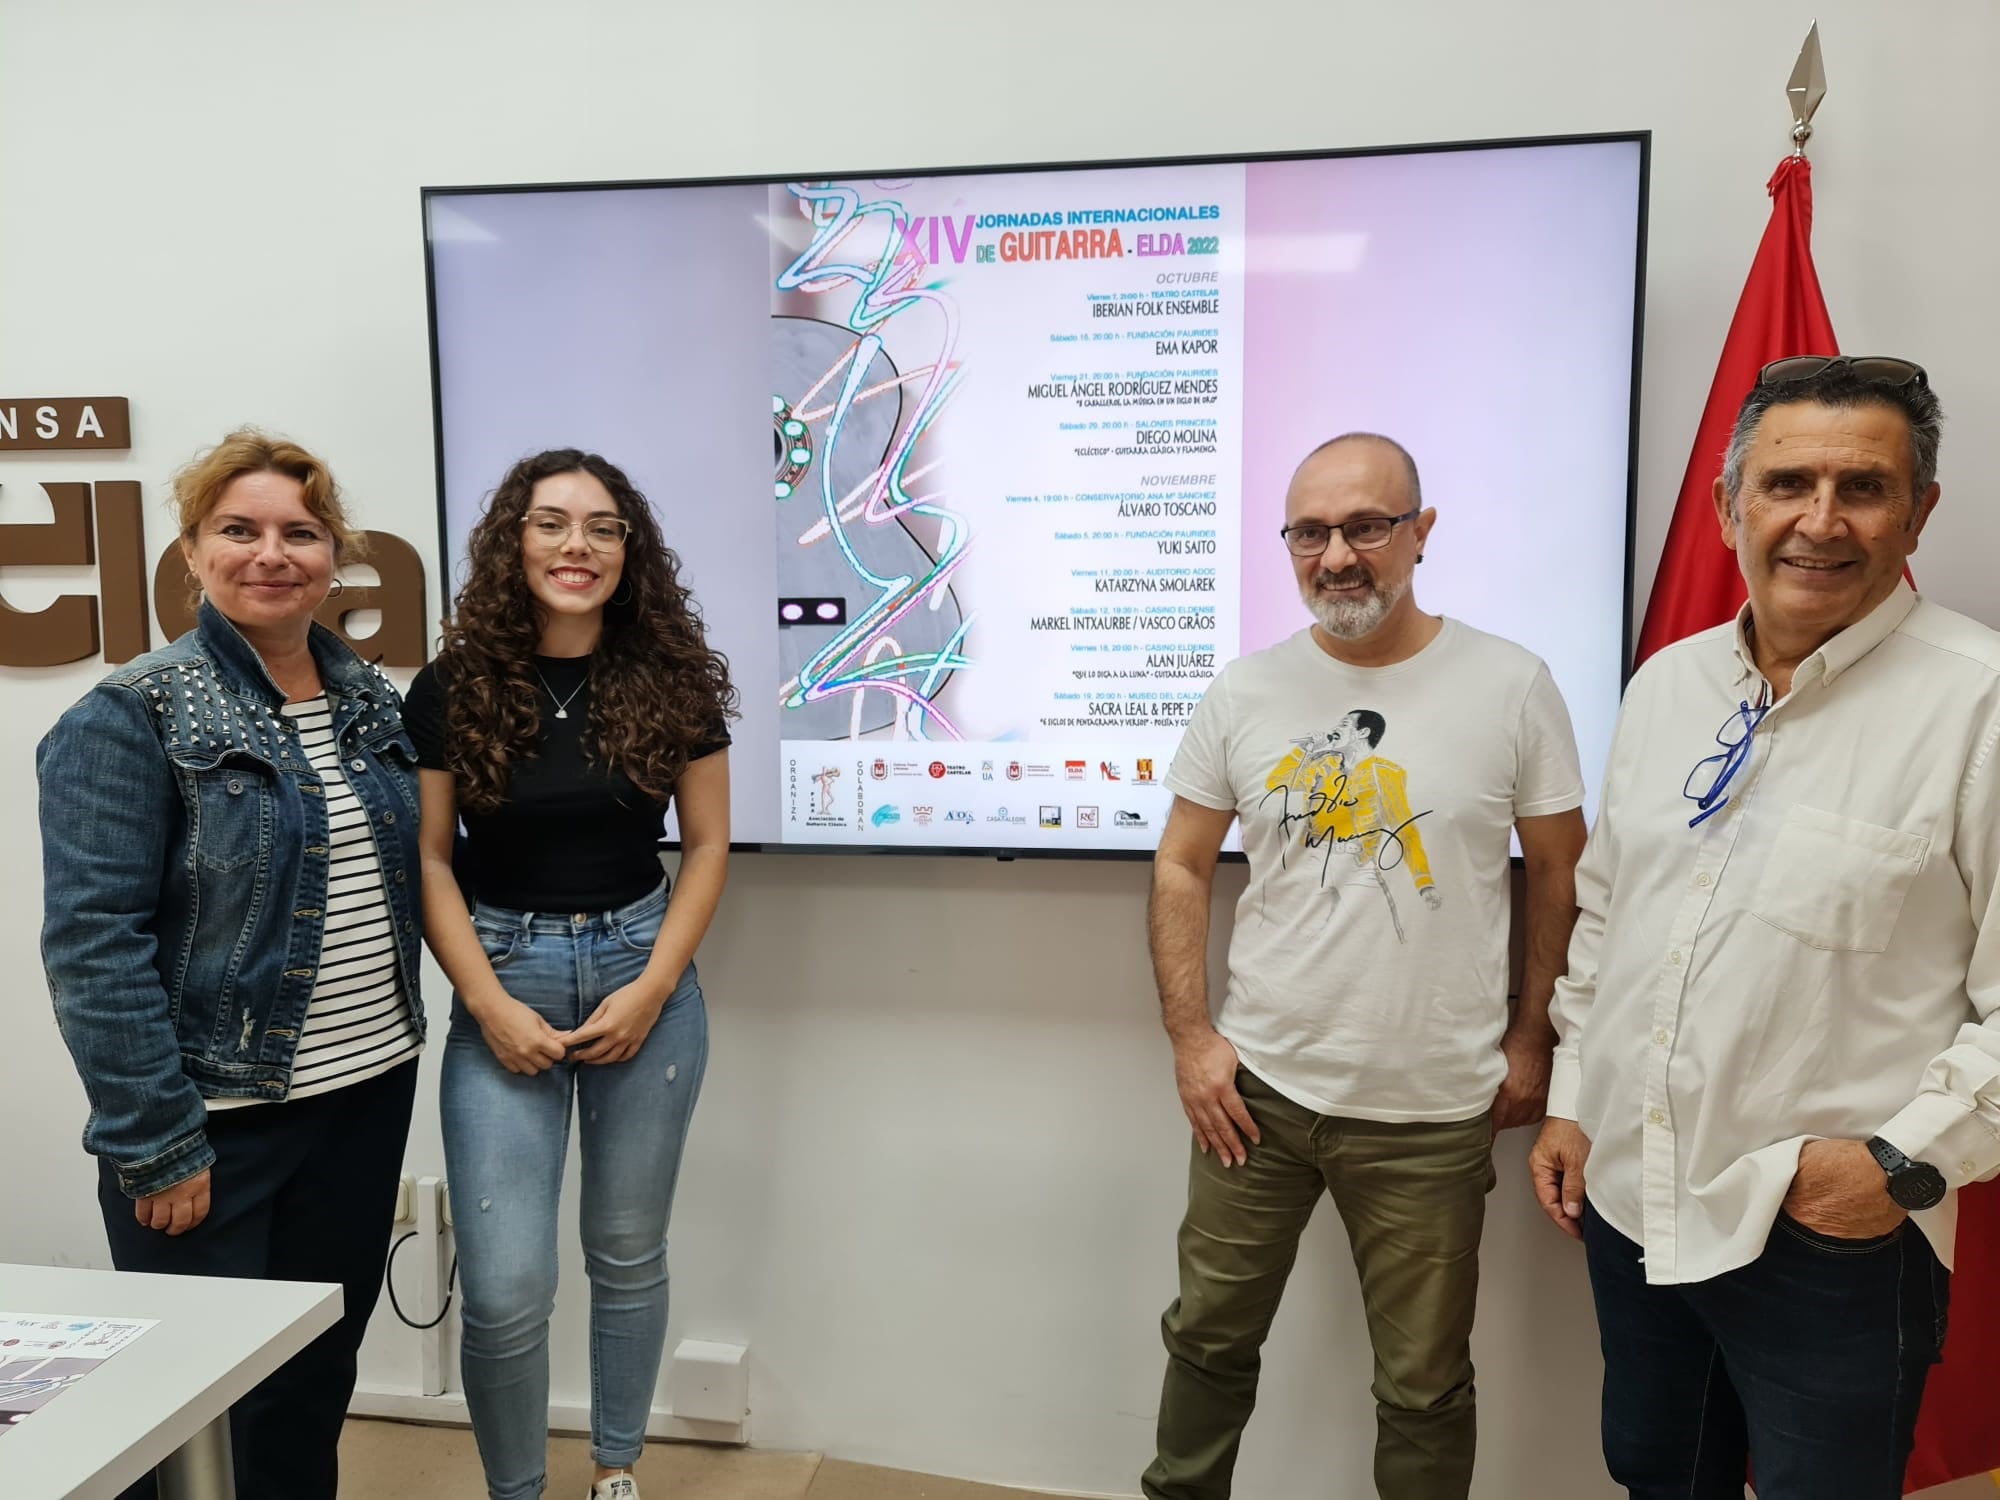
(1643, 139)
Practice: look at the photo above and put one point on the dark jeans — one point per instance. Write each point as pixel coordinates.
(1808, 1365)
(300, 1191)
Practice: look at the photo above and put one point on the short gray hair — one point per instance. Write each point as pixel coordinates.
(1409, 463)
(1838, 386)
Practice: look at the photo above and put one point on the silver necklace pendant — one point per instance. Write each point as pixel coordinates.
(562, 704)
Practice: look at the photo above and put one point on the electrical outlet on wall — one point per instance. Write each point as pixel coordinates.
(709, 1382)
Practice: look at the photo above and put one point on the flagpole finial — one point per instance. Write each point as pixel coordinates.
(1805, 89)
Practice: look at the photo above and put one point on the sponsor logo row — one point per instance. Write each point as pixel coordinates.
(1048, 815)
(1140, 772)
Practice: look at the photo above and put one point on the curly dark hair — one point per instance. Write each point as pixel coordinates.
(657, 689)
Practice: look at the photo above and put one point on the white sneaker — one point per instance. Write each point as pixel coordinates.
(617, 1487)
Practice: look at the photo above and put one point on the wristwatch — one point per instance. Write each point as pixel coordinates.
(1915, 1185)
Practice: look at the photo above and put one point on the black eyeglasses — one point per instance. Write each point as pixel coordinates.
(1880, 369)
(1734, 736)
(1362, 534)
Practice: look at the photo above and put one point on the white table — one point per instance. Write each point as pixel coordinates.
(164, 1399)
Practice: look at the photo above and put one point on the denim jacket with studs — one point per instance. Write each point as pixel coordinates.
(185, 867)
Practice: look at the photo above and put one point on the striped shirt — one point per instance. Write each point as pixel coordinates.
(358, 1024)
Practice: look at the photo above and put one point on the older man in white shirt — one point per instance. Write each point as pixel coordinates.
(1780, 1031)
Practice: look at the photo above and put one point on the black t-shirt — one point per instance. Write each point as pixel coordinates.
(572, 835)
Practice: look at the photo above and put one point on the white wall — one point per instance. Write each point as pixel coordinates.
(934, 1179)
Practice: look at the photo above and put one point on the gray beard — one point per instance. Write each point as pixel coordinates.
(1351, 619)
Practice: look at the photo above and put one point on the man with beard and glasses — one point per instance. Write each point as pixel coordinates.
(1781, 1024)
(1364, 1047)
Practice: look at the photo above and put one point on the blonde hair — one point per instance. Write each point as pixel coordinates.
(199, 485)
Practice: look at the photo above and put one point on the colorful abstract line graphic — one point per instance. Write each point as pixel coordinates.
(869, 629)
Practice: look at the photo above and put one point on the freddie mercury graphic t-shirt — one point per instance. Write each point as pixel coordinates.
(1368, 968)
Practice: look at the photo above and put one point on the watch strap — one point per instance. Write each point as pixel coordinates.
(1888, 1157)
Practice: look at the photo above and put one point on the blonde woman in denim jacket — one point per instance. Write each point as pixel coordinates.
(229, 843)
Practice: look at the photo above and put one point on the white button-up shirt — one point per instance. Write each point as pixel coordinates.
(1818, 959)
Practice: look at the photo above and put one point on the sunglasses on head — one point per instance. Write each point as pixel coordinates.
(1878, 369)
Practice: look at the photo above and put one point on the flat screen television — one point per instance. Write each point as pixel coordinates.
(977, 474)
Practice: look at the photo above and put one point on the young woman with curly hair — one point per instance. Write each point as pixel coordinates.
(574, 698)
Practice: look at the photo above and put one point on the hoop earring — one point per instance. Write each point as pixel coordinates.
(614, 599)
(340, 587)
(193, 582)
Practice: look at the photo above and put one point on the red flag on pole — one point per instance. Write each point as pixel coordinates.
(1697, 586)
(1781, 312)
(1958, 1430)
